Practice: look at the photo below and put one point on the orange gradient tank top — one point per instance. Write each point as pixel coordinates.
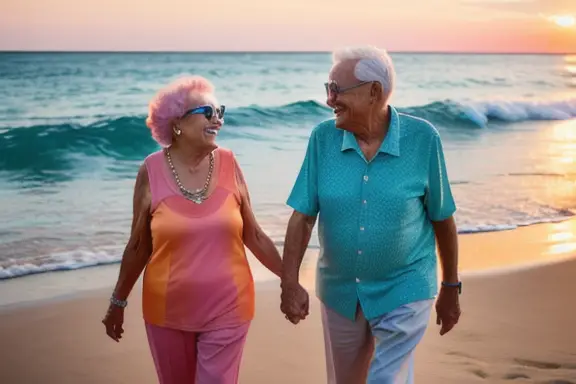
(198, 277)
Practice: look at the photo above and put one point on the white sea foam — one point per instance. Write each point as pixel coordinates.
(61, 261)
(522, 110)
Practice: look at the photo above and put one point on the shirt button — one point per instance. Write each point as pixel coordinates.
(365, 178)
(364, 202)
(357, 280)
(359, 252)
(361, 228)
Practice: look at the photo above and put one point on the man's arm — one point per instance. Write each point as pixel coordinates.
(447, 238)
(295, 301)
(440, 207)
(298, 234)
(304, 201)
(448, 303)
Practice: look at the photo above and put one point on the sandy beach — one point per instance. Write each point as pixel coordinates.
(518, 325)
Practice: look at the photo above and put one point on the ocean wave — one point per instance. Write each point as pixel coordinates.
(46, 149)
(60, 261)
(470, 229)
(55, 151)
(481, 113)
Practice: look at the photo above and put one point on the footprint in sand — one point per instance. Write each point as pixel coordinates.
(470, 360)
(559, 382)
(514, 376)
(543, 364)
(460, 354)
(480, 373)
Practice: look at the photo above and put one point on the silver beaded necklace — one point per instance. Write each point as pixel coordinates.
(198, 195)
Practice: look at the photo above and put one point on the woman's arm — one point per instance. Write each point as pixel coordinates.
(255, 239)
(139, 247)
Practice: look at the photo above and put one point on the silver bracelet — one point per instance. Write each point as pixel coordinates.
(118, 303)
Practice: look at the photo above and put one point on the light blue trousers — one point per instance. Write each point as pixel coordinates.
(380, 351)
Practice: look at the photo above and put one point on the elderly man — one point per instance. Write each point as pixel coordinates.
(378, 181)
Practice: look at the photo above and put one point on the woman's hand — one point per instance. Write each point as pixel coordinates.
(113, 321)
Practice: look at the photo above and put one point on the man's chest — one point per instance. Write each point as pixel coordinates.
(386, 185)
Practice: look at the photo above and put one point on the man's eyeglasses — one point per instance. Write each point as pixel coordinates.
(332, 87)
(208, 111)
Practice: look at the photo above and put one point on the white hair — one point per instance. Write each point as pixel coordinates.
(374, 64)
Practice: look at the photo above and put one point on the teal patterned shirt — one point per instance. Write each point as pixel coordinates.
(377, 243)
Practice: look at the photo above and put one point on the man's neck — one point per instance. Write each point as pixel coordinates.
(376, 128)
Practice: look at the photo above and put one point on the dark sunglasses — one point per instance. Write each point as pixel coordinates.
(332, 87)
(208, 111)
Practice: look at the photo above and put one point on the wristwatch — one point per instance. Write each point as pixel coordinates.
(454, 285)
(118, 303)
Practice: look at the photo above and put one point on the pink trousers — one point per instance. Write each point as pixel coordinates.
(197, 358)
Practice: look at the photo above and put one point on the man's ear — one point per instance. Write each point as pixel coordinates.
(376, 91)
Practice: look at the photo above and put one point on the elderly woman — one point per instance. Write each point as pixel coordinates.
(192, 218)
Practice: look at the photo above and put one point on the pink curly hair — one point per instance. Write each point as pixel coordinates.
(170, 103)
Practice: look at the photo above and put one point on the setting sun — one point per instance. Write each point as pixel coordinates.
(565, 21)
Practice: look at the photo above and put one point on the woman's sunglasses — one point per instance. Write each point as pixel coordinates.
(208, 111)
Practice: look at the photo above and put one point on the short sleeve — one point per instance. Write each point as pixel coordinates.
(304, 195)
(439, 201)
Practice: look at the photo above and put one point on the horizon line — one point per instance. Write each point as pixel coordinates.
(291, 52)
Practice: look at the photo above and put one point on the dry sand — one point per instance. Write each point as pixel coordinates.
(518, 326)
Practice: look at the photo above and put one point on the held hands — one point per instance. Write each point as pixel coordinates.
(447, 309)
(294, 302)
(113, 321)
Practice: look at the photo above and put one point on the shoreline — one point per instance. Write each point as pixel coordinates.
(462, 231)
(546, 244)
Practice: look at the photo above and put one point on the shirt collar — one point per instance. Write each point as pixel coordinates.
(391, 143)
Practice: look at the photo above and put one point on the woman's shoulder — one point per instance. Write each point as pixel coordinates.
(227, 154)
(225, 150)
(155, 154)
(230, 163)
(154, 158)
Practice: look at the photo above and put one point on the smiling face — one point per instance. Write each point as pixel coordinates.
(349, 97)
(202, 121)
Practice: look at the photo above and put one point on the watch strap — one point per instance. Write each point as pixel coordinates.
(453, 285)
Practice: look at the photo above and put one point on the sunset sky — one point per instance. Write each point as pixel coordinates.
(291, 25)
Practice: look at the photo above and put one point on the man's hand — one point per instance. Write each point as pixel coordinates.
(447, 309)
(294, 302)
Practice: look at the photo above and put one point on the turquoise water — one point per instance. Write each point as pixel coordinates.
(72, 136)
